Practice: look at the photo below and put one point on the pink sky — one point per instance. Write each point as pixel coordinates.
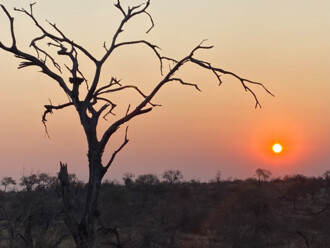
(285, 45)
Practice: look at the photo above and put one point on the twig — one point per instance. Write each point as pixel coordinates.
(126, 140)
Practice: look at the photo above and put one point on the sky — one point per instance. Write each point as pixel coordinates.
(283, 44)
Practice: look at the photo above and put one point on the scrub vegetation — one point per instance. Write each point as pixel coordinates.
(168, 212)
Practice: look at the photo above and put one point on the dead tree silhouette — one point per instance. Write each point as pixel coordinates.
(86, 98)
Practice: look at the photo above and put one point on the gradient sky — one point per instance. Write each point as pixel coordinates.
(283, 44)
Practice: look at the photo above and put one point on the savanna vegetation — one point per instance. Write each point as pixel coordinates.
(167, 212)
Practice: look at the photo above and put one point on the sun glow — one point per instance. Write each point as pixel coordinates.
(277, 148)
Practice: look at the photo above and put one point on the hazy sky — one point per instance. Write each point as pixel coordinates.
(283, 44)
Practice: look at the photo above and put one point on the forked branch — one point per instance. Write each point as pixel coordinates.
(154, 48)
(61, 38)
(136, 10)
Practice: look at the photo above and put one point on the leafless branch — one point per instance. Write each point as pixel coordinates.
(127, 87)
(63, 38)
(184, 83)
(131, 12)
(154, 49)
(11, 20)
(151, 20)
(47, 55)
(113, 81)
(30, 60)
(243, 81)
(118, 5)
(104, 107)
(105, 47)
(199, 46)
(128, 108)
(126, 140)
(168, 78)
(46, 129)
(57, 29)
(49, 109)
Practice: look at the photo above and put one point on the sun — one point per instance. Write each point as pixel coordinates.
(277, 148)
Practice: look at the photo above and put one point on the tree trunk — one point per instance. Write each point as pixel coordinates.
(91, 206)
(83, 231)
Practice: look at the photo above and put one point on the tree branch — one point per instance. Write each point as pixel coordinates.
(11, 20)
(184, 83)
(153, 47)
(118, 5)
(242, 80)
(132, 11)
(31, 60)
(63, 38)
(49, 110)
(127, 87)
(114, 127)
(168, 78)
(126, 140)
(113, 81)
(104, 107)
(34, 45)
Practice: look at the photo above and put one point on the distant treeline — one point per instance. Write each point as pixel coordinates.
(148, 211)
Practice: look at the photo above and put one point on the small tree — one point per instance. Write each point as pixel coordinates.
(296, 187)
(147, 180)
(218, 176)
(146, 183)
(7, 181)
(46, 181)
(93, 100)
(326, 175)
(263, 174)
(29, 182)
(172, 176)
(128, 178)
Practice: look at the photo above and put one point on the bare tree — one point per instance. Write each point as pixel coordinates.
(92, 101)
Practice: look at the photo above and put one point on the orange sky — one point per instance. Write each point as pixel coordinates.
(283, 44)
